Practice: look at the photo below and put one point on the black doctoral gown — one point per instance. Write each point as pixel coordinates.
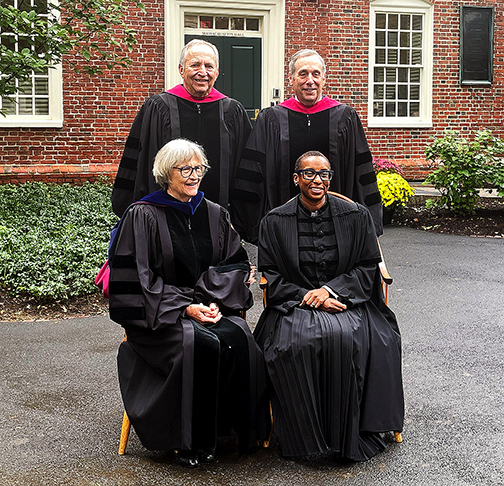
(280, 135)
(336, 378)
(220, 124)
(157, 362)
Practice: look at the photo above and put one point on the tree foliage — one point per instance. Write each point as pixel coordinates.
(35, 38)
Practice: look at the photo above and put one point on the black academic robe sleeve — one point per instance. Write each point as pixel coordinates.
(150, 131)
(250, 198)
(139, 294)
(354, 173)
(356, 283)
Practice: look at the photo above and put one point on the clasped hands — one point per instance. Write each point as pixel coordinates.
(321, 299)
(204, 314)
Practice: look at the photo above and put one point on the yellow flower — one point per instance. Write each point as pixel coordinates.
(394, 189)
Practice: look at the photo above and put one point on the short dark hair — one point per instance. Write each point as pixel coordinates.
(310, 153)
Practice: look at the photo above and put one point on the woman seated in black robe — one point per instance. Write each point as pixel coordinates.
(190, 368)
(332, 346)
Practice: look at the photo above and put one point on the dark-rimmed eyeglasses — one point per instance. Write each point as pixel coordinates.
(187, 171)
(310, 174)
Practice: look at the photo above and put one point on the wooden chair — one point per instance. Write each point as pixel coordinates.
(386, 282)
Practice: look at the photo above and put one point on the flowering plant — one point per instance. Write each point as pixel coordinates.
(385, 165)
(394, 189)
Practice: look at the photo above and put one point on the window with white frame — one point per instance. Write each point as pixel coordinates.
(400, 70)
(37, 101)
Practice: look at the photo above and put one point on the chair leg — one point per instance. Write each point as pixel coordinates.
(266, 443)
(398, 436)
(125, 430)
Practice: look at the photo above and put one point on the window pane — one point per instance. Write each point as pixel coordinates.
(23, 43)
(24, 5)
(415, 109)
(191, 21)
(392, 39)
(5, 3)
(402, 109)
(41, 86)
(380, 38)
(253, 24)
(402, 75)
(206, 22)
(402, 92)
(237, 23)
(41, 106)
(41, 6)
(377, 109)
(392, 56)
(222, 23)
(417, 22)
(391, 74)
(378, 92)
(9, 106)
(379, 74)
(390, 92)
(380, 56)
(393, 21)
(415, 92)
(381, 21)
(415, 75)
(416, 56)
(416, 39)
(8, 41)
(405, 39)
(405, 22)
(390, 109)
(25, 106)
(404, 56)
(26, 87)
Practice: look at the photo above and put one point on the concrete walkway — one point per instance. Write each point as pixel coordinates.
(60, 409)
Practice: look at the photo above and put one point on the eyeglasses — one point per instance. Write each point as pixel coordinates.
(187, 171)
(310, 174)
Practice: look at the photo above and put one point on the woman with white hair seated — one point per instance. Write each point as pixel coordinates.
(189, 369)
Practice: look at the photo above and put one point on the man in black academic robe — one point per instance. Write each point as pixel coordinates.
(194, 111)
(308, 121)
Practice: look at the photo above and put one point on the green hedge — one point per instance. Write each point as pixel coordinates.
(53, 238)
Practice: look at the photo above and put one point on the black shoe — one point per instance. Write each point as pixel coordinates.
(186, 458)
(207, 455)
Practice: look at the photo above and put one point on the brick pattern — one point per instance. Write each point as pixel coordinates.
(98, 112)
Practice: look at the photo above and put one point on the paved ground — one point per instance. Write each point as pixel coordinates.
(60, 409)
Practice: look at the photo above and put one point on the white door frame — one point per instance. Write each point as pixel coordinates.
(272, 14)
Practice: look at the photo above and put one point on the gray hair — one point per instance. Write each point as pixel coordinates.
(174, 153)
(311, 153)
(197, 42)
(305, 53)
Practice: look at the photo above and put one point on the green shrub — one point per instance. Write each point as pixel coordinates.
(463, 167)
(53, 238)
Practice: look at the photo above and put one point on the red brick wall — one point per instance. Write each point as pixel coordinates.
(98, 111)
(339, 30)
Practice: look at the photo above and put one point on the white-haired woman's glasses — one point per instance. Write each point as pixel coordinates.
(187, 171)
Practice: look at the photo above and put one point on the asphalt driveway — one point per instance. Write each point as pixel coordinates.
(60, 408)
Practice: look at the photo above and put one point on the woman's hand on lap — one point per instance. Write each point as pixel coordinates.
(204, 314)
